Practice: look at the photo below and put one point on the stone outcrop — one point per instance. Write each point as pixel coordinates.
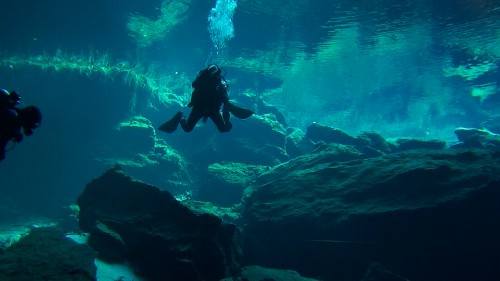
(317, 132)
(297, 143)
(369, 142)
(46, 254)
(425, 214)
(226, 182)
(137, 150)
(406, 144)
(135, 135)
(161, 238)
(476, 138)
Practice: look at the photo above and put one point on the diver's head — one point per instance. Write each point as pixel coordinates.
(214, 70)
(30, 118)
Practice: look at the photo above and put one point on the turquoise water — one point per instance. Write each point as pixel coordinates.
(413, 68)
(416, 69)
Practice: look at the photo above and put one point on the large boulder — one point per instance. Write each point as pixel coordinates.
(427, 215)
(476, 138)
(369, 142)
(161, 238)
(46, 254)
(317, 132)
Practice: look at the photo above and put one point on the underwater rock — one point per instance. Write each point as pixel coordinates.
(137, 150)
(46, 254)
(376, 141)
(134, 136)
(324, 154)
(369, 143)
(227, 214)
(108, 244)
(465, 133)
(428, 215)
(226, 181)
(476, 138)
(164, 239)
(265, 108)
(321, 133)
(296, 143)
(406, 144)
(255, 102)
(164, 167)
(143, 156)
(258, 273)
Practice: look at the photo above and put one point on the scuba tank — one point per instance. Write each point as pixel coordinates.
(9, 99)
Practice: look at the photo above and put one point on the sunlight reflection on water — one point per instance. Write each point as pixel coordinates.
(357, 58)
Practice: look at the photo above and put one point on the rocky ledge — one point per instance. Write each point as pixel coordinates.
(424, 214)
(162, 239)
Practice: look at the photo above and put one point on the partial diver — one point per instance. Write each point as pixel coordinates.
(209, 94)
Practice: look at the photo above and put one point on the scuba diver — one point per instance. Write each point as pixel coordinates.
(209, 94)
(12, 119)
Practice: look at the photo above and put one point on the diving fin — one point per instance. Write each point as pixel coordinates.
(171, 125)
(240, 112)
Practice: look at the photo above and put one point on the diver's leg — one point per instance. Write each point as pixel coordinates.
(219, 122)
(194, 117)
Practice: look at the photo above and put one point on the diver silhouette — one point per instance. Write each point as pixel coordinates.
(13, 119)
(209, 94)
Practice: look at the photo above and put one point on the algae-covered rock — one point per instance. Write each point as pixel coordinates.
(476, 138)
(376, 141)
(133, 136)
(325, 154)
(137, 150)
(46, 254)
(226, 182)
(161, 238)
(432, 207)
(321, 133)
(297, 143)
(164, 167)
(405, 144)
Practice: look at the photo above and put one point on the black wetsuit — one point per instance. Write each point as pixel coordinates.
(10, 128)
(209, 94)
